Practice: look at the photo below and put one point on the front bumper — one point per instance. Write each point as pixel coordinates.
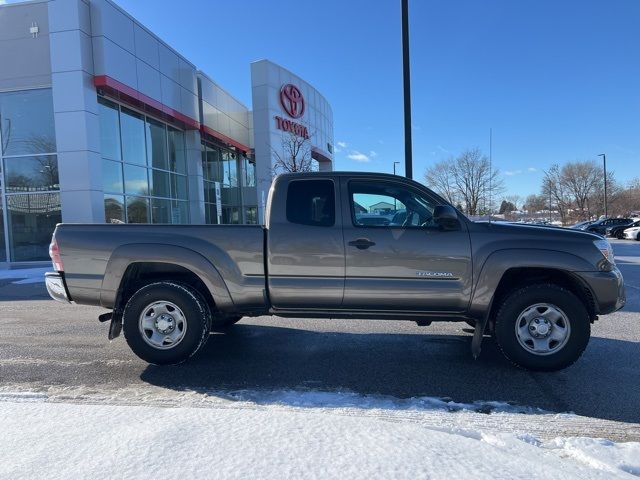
(607, 289)
(56, 287)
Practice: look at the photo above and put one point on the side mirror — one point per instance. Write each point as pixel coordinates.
(446, 217)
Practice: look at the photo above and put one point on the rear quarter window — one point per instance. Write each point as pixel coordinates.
(311, 202)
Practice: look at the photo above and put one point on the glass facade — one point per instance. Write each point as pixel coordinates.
(143, 167)
(29, 193)
(233, 172)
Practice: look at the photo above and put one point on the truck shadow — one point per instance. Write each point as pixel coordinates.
(603, 384)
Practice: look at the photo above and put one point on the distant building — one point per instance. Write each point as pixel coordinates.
(382, 208)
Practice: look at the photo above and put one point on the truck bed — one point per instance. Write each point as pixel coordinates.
(235, 251)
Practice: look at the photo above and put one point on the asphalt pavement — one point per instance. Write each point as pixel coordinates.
(45, 345)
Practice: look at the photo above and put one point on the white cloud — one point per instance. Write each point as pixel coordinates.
(532, 169)
(442, 149)
(511, 173)
(357, 156)
(342, 144)
(373, 154)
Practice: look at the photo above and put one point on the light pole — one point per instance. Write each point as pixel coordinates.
(406, 75)
(604, 160)
(395, 201)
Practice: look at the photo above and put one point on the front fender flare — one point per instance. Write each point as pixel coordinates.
(500, 261)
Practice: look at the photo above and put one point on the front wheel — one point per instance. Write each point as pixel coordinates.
(166, 323)
(542, 327)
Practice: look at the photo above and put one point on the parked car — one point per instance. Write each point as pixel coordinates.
(582, 225)
(618, 231)
(632, 233)
(535, 289)
(600, 227)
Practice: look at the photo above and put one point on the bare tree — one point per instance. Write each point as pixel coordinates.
(294, 155)
(440, 178)
(468, 180)
(535, 203)
(581, 180)
(555, 190)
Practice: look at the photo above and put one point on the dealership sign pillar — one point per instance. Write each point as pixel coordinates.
(284, 104)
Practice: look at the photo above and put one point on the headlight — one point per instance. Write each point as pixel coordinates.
(605, 248)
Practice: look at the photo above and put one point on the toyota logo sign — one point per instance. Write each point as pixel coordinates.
(292, 100)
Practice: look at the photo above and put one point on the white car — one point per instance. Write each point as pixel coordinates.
(632, 233)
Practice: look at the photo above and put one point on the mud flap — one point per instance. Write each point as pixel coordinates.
(478, 334)
(115, 329)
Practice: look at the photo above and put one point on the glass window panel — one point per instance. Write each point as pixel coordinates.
(109, 129)
(231, 215)
(160, 211)
(230, 169)
(26, 120)
(180, 212)
(3, 245)
(32, 219)
(230, 195)
(249, 173)
(205, 172)
(157, 145)
(160, 184)
(135, 180)
(114, 208)
(31, 174)
(214, 170)
(112, 176)
(251, 215)
(137, 210)
(133, 138)
(177, 154)
(178, 186)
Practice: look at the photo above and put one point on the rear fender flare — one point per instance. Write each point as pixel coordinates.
(126, 255)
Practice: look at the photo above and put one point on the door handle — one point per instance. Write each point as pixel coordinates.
(362, 243)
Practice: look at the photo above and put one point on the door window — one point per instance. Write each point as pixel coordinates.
(387, 204)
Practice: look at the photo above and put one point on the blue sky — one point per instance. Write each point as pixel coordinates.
(557, 81)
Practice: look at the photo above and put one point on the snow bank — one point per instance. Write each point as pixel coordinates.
(42, 439)
(23, 276)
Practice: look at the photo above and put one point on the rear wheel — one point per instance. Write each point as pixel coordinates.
(166, 323)
(542, 327)
(620, 234)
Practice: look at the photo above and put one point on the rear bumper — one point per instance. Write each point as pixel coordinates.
(607, 288)
(56, 287)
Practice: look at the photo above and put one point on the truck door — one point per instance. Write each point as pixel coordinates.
(305, 248)
(402, 261)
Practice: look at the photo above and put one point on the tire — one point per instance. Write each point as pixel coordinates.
(542, 327)
(166, 323)
(620, 235)
(222, 322)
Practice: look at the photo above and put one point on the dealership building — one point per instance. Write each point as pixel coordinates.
(101, 121)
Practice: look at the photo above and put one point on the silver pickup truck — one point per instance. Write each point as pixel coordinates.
(536, 290)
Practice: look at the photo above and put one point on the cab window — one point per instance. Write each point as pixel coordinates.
(311, 202)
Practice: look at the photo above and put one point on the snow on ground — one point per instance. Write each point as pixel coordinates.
(23, 276)
(285, 435)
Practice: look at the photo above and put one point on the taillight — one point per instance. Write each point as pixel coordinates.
(54, 253)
